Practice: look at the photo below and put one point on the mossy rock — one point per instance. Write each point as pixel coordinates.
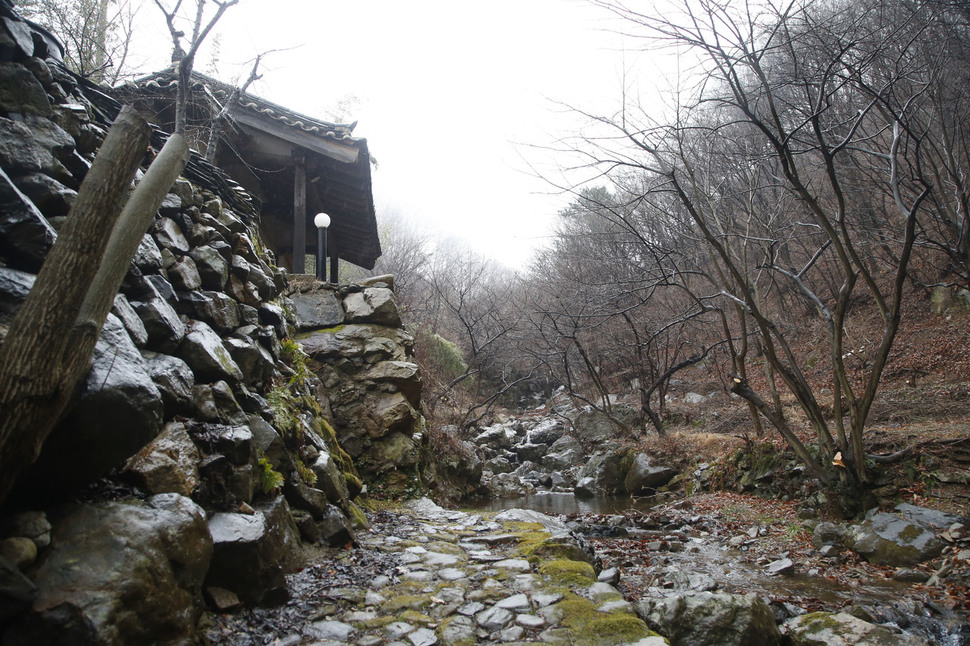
(405, 602)
(567, 572)
(415, 617)
(589, 626)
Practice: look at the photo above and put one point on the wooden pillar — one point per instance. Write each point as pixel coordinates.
(299, 212)
(334, 261)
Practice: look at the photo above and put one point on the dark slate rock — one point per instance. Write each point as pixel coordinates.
(184, 274)
(168, 235)
(14, 287)
(149, 256)
(174, 379)
(255, 361)
(546, 432)
(50, 196)
(88, 443)
(202, 349)
(330, 480)
(257, 541)
(121, 573)
(165, 329)
(335, 529)
(35, 145)
(129, 318)
(162, 287)
(171, 204)
(317, 309)
(222, 485)
(269, 443)
(215, 308)
(21, 92)
(272, 315)
(303, 496)
(213, 268)
(216, 403)
(25, 234)
(169, 464)
(248, 315)
(234, 442)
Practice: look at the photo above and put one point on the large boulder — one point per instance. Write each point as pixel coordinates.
(120, 573)
(317, 309)
(604, 474)
(644, 477)
(564, 453)
(843, 629)
(711, 618)
(888, 539)
(591, 426)
(88, 443)
(359, 340)
(266, 542)
(547, 431)
(372, 305)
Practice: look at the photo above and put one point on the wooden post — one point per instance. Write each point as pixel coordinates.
(299, 212)
(334, 261)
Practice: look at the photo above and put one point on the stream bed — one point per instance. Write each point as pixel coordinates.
(741, 544)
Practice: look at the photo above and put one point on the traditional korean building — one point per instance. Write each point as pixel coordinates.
(295, 165)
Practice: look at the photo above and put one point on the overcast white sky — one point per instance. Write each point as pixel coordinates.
(453, 95)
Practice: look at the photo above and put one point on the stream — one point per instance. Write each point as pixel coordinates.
(661, 549)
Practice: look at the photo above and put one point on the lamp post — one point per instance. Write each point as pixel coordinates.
(322, 221)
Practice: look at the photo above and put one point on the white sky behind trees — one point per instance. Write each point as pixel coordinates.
(457, 99)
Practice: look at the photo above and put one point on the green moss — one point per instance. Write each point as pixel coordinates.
(566, 572)
(404, 602)
(589, 626)
(415, 617)
(306, 473)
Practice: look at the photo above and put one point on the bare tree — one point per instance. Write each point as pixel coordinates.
(97, 34)
(820, 96)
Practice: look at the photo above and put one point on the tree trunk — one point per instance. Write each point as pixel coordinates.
(51, 340)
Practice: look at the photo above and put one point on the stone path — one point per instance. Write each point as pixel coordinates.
(433, 576)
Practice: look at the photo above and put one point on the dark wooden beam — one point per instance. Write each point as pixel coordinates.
(299, 212)
(334, 260)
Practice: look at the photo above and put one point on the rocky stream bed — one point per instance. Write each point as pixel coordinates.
(723, 569)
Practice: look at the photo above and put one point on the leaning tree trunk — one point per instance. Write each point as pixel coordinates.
(48, 349)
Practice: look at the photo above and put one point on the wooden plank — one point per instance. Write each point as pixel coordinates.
(299, 213)
(329, 148)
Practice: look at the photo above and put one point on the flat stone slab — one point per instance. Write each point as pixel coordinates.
(517, 565)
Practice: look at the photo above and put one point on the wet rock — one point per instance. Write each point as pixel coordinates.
(87, 444)
(564, 453)
(254, 361)
(36, 145)
(604, 473)
(499, 436)
(494, 619)
(887, 539)
(259, 540)
(212, 267)
(203, 351)
(165, 329)
(826, 533)
(21, 92)
(185, 275)
(50, 196)
(168, 235)
(359, 340)
(644, 477)
(711, 618)
(935, 519)
(216, 403)
(842, 629)
(133, 324)
(335, 631)
(14, 287)
(25, 234)
(169, 463)
(120, 573)
(215, 308)
(372, 305)
(404, 375)
(317, 309)
(175, 381)
(781, 566)
(335, 528)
